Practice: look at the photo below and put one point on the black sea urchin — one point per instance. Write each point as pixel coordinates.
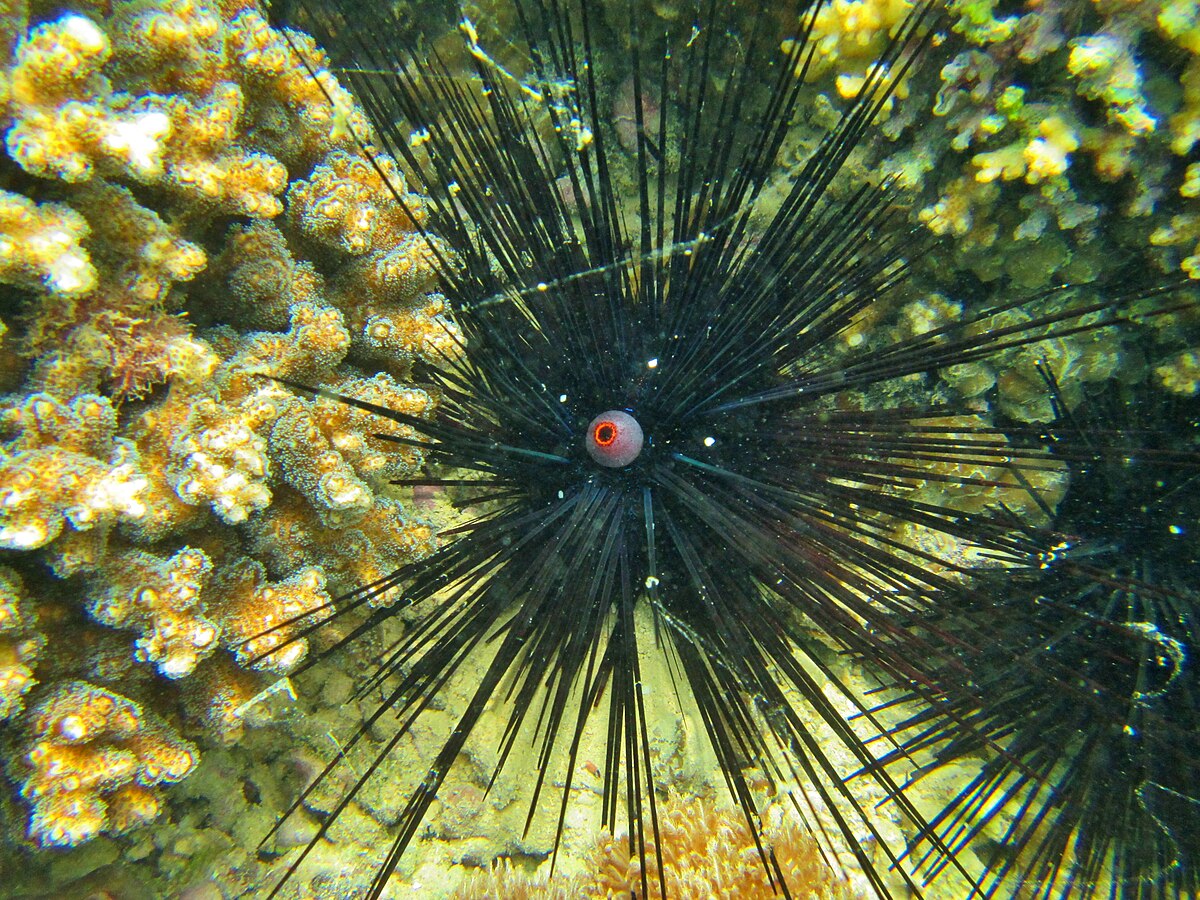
(1084, 695)
(777, 508)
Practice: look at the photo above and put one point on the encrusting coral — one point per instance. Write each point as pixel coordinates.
(154, 147)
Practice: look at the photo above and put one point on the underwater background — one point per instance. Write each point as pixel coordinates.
(185, 214)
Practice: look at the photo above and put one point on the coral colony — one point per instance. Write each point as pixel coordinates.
(600, 449)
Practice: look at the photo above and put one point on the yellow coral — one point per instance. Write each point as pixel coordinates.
(849, 36)
(64, 465)
(706, 850)
(86, 746)
(221, 461)
(40, 246)
(328, 116)
(1048, 154)
(287, 536)
(205, 163)
(1181, 373)
(347, 205)
(170, 46)
(154, 122)
(325, 451)
(1045, 155)
(964, 211)
(20, 644)
(1183, 231)
(1105, 67)
(161, 600)
(221, 696)
(422, 331)
(259, 620)
(131, 805)
(60, 106)
(117, 332)
(76, 712)
(264, 278)
(152, 256)
(69, 122)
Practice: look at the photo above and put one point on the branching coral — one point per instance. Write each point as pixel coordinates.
(161, 600)
(91, 761)
(1044, 147)
(70, 123)
(259, 620)
(20, 644)
(849, 35)
(144, 430)
(287, 537)
(40, 246)
(1054, 154)
(63, 463)
(328, 454)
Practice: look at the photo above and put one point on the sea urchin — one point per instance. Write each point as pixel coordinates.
(665, 443)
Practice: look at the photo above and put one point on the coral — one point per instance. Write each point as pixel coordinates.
(287, 537)
(90, 762)
(1051, 150)
(345, 209)
(152, 145)
(220, 695)
(848, 37)
(1018, 374)
(186, 215)
(20, 644)
(259, 620)
(118, 336)
(706, 851)
(1105, 69)
(1045, 146)
(264, 279)
(40, 246)
(1181, 373)
(1043, 157)
(329, 456)
(221, 460)
(160, 599)
(63, 463)
(326, 115)
(346, 204)
(70, 123)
